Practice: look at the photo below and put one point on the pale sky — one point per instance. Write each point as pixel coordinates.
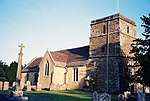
(56, 24)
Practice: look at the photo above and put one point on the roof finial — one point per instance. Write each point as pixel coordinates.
(47, 49)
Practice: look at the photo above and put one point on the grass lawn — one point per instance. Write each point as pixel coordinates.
(72, 95)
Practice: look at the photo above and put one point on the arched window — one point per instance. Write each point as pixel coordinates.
(46, 68)
(75, 74)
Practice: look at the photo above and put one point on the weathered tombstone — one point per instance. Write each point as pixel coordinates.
(28, 86)
(95, 96)
(6, 85)
(14, 83)
(1, 85)
(104, 97)
(38, 88)
(141, 97)
(140, 94)
(126, 94)
(121, 97)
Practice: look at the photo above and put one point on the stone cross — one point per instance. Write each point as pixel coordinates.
(18, 76)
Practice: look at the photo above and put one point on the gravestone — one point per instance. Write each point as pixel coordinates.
(14, 83)
(1, 85)
(95, 96)
(104, 97)
(6, 85)
(38, 88)
(140, 94)
(121, 97)
(126, 94)
(28, 86)
(141, 97)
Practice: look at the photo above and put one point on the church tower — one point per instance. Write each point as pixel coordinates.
(110, 43)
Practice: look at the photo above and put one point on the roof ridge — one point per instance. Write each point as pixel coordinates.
(70, 48)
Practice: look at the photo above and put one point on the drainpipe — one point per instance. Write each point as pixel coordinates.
(107, 65)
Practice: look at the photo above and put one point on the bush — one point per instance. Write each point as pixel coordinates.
(3, 79)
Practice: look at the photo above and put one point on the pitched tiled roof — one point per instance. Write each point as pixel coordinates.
(33, 65)
(60, 57)
(72, 57)
(69, 57)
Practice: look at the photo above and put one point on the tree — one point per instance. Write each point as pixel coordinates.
(3, 68)
(141, 51)
(11, 72)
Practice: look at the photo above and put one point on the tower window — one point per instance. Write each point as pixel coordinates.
(127, 29)
(46, 69)
(104, 29)
(75, 74)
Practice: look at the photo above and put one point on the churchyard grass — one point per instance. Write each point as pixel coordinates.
(72, 95)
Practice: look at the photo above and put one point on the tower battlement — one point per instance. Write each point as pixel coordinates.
(112, 17)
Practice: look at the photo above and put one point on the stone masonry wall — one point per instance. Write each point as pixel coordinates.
(119, 46)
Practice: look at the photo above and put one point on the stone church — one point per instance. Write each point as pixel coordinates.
(108, 51)
(58, 70)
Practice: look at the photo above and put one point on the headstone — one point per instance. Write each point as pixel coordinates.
(141, 97)
(1, 85)
(38, 87)
(121, 97)
(95, 96)
(14, 83)
(6, 85)
(126, 94)
(104, 97)
(147, 89)
(139, 91)
(28, 86)
(139, 88)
